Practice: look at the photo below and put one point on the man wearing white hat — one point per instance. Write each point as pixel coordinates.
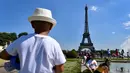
(38, 52)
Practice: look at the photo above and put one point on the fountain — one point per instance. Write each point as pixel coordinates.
(122, 67)
(126, 46)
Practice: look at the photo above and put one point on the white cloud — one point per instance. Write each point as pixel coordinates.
(128, 37)
(94, 8)
(113, 32)
(126, 45)
(127, 25)
(128, 15)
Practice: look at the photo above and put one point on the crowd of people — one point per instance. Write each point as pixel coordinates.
(117, 53)
(92, 65)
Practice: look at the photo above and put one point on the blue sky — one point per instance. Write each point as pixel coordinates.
(109, 20)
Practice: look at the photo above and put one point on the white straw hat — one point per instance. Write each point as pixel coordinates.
(42, 14)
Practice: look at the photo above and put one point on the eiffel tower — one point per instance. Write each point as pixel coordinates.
(86, 35)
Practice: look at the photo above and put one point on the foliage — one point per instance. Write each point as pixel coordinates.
(13, 36)
(74, 54)
(9, 37)
(72, 66)
(23, 33)
(70, 54)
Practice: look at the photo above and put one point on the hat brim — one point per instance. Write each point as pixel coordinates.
(42, 18)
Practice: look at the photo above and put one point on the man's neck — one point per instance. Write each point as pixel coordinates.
(42, 33)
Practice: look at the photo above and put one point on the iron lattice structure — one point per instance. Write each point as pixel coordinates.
(86, 35)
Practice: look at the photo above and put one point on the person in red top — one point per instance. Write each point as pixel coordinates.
(117, 54)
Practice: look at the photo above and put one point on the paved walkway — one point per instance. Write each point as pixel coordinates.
(2, 70)
(83, 68)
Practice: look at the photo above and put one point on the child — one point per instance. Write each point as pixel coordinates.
(91, 64)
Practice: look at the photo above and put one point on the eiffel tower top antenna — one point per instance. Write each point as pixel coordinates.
(86, 19)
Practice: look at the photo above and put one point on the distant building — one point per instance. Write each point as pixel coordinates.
(1, 48)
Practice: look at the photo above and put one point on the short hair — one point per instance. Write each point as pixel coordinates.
(40, 21)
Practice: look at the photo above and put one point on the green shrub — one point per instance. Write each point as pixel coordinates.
(71, 54)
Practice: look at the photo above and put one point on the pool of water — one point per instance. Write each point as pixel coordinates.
(115, 67)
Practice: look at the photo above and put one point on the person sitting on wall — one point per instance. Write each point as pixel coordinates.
(84, 59)
(91, 64)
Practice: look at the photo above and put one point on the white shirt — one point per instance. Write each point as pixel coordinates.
(37, 53)
(92, 64)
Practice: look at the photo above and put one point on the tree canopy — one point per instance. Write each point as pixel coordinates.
(9, 37)
(22, 33)
(70, 54)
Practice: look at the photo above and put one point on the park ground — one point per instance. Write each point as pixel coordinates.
(72, 65)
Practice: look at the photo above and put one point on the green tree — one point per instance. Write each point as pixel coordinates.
(22, 33)
(13, 36)
(7, 37)
(4, 37)
(72, 54)
(1, 41)
(64, 51)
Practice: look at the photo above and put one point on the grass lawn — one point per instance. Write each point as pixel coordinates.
(72, 66)
(2, 62)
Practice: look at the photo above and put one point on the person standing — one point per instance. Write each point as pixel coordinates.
(117, 53)
(128, 55)
(38, 52)
(122, 53)
(108, 53)
(101, 53)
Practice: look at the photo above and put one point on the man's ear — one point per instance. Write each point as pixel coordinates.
(33, 26)
(51, 26)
